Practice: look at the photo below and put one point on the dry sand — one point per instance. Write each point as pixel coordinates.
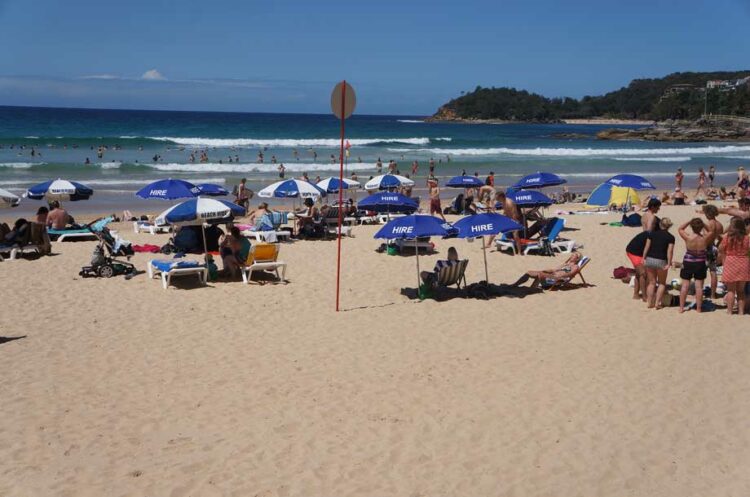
(120, 388)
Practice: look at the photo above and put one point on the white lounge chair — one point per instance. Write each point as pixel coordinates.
(263, 257)
(169, 268)
(150, 227)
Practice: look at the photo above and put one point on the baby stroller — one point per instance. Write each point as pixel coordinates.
(106, 265)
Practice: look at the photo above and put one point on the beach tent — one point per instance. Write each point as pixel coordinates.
(59, 189)
(413, 227)
(8, 199)
(486, 224)
(607, 194)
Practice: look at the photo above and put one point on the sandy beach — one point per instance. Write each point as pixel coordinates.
(118, 387)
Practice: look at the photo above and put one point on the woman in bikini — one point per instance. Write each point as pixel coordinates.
(694, 265)
(568, 269)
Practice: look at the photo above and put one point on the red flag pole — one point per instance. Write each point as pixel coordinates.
(341, 192)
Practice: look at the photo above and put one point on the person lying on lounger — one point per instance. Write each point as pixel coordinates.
(566, 270)
(431, 277)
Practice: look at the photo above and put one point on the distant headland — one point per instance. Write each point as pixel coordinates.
(686, 106)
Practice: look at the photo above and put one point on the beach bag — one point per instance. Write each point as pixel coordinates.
(622, 272)
(633, 220)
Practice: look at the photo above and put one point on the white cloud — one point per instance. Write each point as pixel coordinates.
(153, 75)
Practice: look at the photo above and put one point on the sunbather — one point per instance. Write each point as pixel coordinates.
(58, 218)
(430, 277)
(567, 269)
(234, 251)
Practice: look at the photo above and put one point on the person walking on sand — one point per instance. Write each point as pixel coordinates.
(242, 195)
(657, 255)
(694, 265)
(733, 250)
(435, 207)
(511, 210)
(678, 177)
(701, 182)
(711, 175)
(649, 221)
(712, 252)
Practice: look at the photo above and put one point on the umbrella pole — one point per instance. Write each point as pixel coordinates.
(205, 245)
(484, 253)
(419, 279)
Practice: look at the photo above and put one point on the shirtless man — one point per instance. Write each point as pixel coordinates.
(649, 221)
(712, 252)
(58, 217)
(511, 210)
(697, 240)
(742, 212)
(435, 199)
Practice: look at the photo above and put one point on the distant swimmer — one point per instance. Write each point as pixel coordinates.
(273, 159)
(333, 159)
(315, 155)
(282, 171)
(87, 161)
(295, 154)
(414, 168)
(379, 165)
(359, 159)
(260, 157)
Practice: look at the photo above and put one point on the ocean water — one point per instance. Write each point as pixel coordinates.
(37, 144)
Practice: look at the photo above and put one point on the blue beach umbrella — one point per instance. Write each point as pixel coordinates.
(198, 211)
(59, 189)
(530, 198)
(631, 181)
(333, 185)
(387, 182)
(292, 188)
(539, 180)
(168, 189)
(389, 202)
(464, 181)
(412, 227)
(486, 224)
(212, 190)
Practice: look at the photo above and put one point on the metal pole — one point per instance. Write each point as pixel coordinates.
(484, 253)
(341, 192)
(419, 279)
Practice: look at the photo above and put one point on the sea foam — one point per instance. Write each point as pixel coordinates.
(289, 142)
(579, 152)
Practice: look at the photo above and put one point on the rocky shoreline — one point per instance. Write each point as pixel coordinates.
(682, 131)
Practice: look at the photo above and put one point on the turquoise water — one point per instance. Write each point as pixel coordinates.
(62, 140)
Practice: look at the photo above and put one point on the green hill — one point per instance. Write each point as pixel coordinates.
(676, 96)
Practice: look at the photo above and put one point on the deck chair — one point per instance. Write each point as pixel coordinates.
(83, 233)
(150, 227)
(268, 228)
(452, 275)
(35, 240)
(552, 284)
(169, 268)
(263, 257)
(332, 221)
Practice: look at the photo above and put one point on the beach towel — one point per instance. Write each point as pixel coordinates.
(153, 249)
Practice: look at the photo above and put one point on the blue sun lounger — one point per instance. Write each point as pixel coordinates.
(169, 268)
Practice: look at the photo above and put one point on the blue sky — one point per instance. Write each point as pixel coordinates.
(402, 57)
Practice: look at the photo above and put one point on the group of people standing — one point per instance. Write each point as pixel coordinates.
(710, 249)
